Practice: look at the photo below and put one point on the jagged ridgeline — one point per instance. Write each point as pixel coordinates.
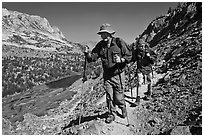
(48, 109)
(34, 52)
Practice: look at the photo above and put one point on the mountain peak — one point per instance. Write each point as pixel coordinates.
(32, 31)
(5, 12)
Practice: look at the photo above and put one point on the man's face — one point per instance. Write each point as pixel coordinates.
(105, 35)
(141, 46)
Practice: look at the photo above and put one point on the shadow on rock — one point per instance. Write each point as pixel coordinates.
(85, 119)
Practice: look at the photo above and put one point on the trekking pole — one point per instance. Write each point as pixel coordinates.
(84, 79)
(122, 90)
(147, 47)
(80, 115)
(130, 82)
(137, 90)
(152, 72)
(84, 72)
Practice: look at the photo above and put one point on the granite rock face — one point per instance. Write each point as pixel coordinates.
(24, 24)
(177, 39)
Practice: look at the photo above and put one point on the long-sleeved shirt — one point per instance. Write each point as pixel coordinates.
(144, 62)
(101, 50)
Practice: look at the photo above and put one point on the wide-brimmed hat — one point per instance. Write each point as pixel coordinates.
(106, 28)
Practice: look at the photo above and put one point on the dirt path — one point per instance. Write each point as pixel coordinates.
(119, 126)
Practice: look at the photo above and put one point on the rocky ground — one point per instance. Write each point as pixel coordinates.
(66, 118)
(141, 120)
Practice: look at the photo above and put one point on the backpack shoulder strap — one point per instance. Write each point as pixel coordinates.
(118, 42)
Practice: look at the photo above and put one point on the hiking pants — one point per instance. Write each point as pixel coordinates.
(145, 78)
(149, 81)
(114, 92)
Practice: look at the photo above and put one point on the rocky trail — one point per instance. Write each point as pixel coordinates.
(143, 119)
(90, 124)
(121, 126)
(64, 120)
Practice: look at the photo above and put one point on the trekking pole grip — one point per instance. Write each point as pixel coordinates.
(84, 73)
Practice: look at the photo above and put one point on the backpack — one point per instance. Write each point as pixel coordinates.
(128, 47)
(143, 59)
(139, 55)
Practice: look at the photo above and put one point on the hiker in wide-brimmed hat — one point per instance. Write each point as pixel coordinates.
(114, 56)
(146, 57)
(106, 28)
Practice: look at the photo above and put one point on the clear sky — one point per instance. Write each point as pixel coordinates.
(80, 21)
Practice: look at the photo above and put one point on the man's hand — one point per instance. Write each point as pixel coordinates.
(86, 49)
(148, 54)
(118, 59)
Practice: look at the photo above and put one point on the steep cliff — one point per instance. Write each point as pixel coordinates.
(177, 39)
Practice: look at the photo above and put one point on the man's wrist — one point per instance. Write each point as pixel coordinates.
(85, 53)
(122, 60)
